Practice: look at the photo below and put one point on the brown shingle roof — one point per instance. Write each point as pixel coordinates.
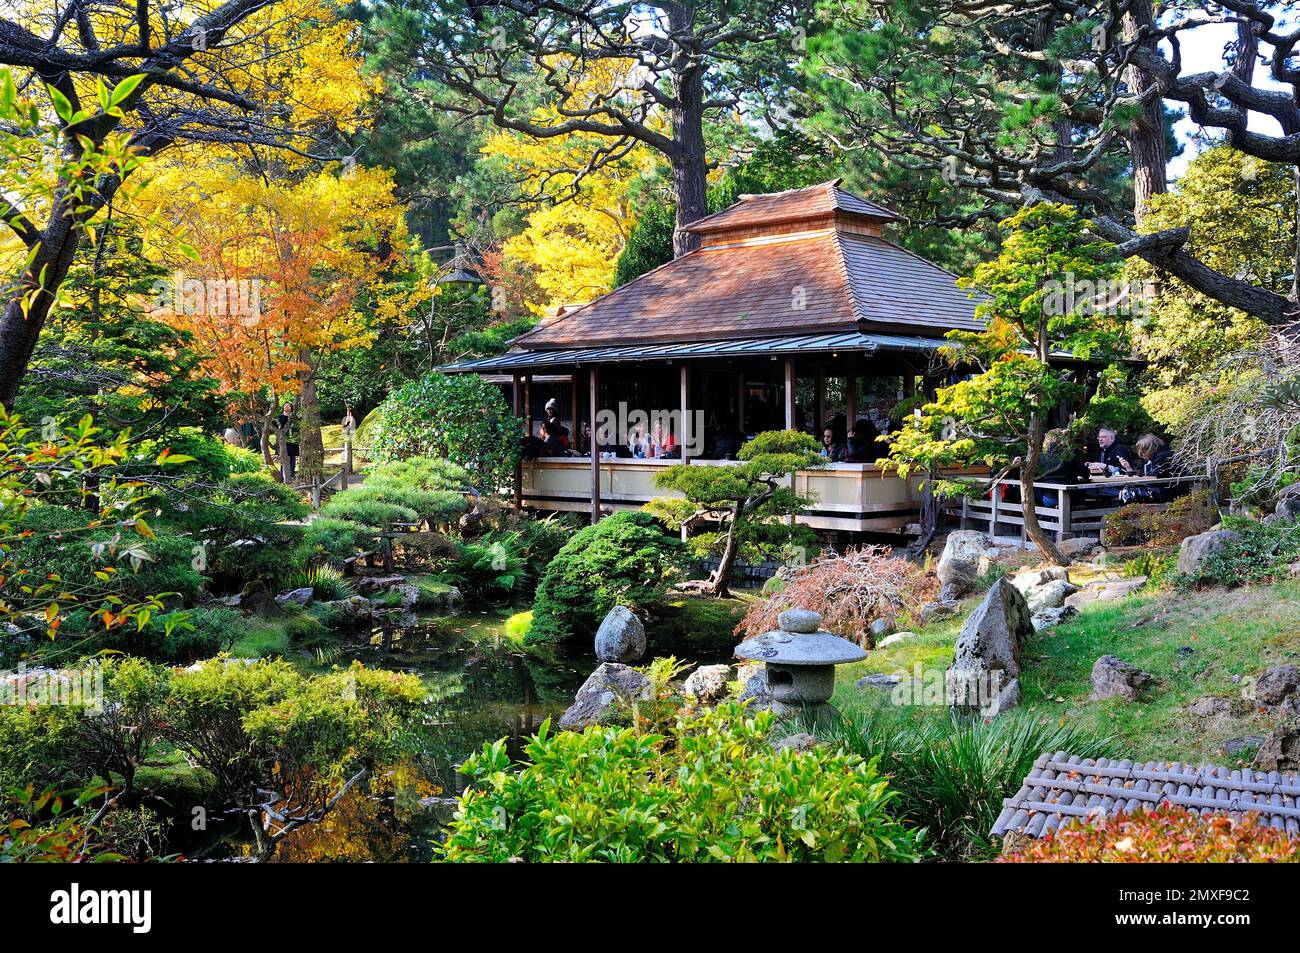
(823, 280)
(1064, 789)
(813, 202)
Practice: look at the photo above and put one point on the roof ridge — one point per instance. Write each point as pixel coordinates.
(830, 185)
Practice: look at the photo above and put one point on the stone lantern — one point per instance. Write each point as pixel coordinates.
(800, 660)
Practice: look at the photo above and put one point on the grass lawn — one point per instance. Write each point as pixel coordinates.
(1195, 642)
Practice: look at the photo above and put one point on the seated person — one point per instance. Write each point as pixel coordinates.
(831, 448)
(638, 442)
(661, 442)
(1113, 458)
(862, 446)
(1062, 461)
(553, 425)
(545, 445)
(728, 440)
(1157, 461)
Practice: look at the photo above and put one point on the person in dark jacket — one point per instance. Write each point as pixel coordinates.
(832, 449)
(862, 446)
(1062, 461)
(287, 428)
(1113, 458)
(1157, 460)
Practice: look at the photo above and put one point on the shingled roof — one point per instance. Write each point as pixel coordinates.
(808, 260)
(1063, 789)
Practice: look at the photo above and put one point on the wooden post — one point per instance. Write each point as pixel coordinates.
(388, 554)
(519, 466)
(740, 401)
(789, 393)
(347, 462)
(573, 397)
(851, 400)
(1065, 530)
(594, 379)
(819, 412)
(528, 403)
(687, 424)
(315, 492)
(993, 513)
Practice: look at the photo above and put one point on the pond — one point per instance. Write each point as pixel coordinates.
(481, 687)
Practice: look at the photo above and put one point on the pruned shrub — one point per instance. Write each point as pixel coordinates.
(1260, 552)
(1142, 524)
(709, 789)
(460, 418)
(849, 590)
(625, 559)
(1166, 835)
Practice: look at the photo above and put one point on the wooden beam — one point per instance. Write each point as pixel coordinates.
(740, 400)
(594, 396)
(819, 412)
(789, 393)
(851, 399)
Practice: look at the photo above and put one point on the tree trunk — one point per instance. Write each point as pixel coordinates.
(688, 160)
(720, 581)
(18, 331)
(1146, 135)
(1028, 508)
(311, 448)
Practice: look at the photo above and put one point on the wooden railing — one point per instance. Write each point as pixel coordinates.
(1080, 509)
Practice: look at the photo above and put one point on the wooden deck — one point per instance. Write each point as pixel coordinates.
(851, 497)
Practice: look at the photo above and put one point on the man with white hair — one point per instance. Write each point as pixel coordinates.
(1113, 458)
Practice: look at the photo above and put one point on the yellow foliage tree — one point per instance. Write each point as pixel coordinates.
(578, 191)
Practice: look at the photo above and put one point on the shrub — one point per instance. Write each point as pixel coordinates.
(1167, 834)
(624, 559)
(850, 591)
(711, 789)
(1141, 524)
(365, 510)
(162, 564)
(195, 634)
(431, 474)
(461, 418)
(214, 459)
(516, 627)
(337, 540)
(951, 773)
(1261, 551)
(246, 527)
(695, 625)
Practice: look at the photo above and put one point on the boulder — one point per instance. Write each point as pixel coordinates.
(896, 639)
(958, 566)
(803, 621)
(1049, 618)
(986, 659)
(1196, 549)
(1032, 579)
(935, 610)
(880, 628)
(1236, 746)
(610, 686)
(1079, 547)
(621, 636)
(1280, 751)
(882, 682)
(1113, 677)
(1106, 590)
(708, 683)
(1288, 504)
(1276, 683)
(801, 741)
(256, 598)
(354, 608)
(366, 584)
(1210, 706)
(294, 597)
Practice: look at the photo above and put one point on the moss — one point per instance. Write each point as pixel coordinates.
(262, 639)
(695, 625)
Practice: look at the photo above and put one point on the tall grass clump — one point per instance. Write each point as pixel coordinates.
(951, 772)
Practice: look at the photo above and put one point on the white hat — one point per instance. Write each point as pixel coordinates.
(552, 403)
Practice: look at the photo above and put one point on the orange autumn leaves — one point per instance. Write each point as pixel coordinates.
(266, 273)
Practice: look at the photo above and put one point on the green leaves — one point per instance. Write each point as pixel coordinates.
(709, 789)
